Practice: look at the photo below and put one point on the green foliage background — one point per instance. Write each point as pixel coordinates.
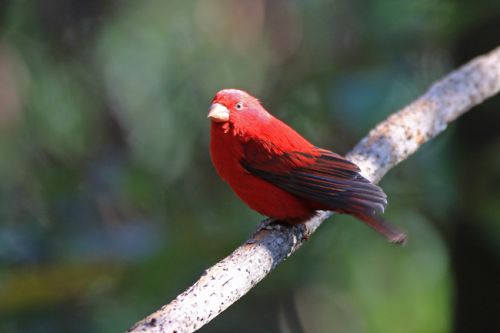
(109, 206)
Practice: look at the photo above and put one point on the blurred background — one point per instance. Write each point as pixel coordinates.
(109, 205)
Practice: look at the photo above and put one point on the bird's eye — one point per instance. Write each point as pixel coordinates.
(239, 106)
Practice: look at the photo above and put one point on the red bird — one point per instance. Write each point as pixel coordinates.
(278, 173)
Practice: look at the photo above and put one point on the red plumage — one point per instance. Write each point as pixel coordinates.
(278, 173)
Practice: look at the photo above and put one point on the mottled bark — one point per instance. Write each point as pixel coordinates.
(386, 145)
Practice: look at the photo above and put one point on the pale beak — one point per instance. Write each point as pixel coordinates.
(218, 113)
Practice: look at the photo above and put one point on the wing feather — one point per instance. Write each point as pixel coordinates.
(320, 176)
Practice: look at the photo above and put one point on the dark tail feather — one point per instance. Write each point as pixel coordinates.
(389, 231)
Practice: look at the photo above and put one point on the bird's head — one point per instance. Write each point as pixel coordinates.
(237, 107)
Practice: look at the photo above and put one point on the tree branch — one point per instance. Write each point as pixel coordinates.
(386, 145)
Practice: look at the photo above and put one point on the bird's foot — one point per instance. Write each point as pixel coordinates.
(268, 225)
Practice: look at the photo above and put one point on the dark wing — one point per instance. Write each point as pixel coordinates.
(322, 177)
(326, 179)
